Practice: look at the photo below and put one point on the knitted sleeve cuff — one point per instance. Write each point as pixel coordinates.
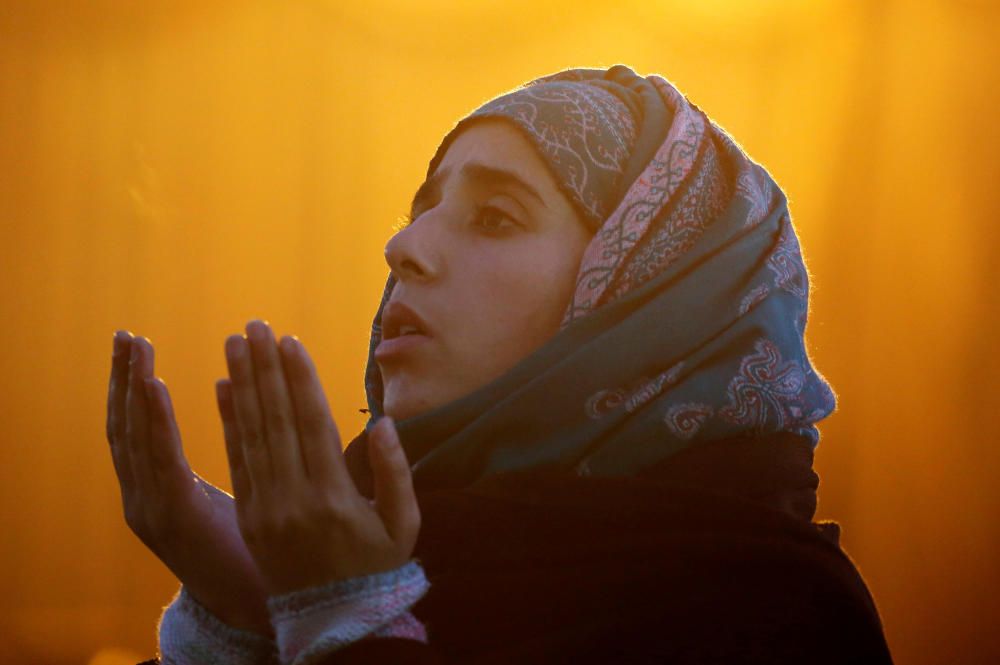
(313, 622)
(189, 634)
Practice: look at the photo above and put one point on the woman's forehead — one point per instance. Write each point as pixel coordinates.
(492, 153)
(493, 143)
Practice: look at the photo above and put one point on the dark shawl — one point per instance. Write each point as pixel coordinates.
(708, 557)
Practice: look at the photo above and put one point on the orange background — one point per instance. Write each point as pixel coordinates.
(178, 168)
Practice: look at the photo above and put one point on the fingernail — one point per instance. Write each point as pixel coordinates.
(135, 352)
(258, 330)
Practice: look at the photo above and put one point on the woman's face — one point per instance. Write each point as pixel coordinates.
(488, 263)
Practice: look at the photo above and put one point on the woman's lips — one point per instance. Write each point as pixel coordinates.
(390, 348)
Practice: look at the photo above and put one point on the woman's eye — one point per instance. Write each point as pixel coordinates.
(490, 219)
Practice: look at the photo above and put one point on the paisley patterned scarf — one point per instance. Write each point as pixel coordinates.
(688, 320)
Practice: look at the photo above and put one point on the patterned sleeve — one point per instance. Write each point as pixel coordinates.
(189, 634)
(312, 623)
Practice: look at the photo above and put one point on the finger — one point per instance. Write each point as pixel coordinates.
(117, 391)
(242, 487)
(137, 418)
(277, 411)
(246, 410)
(318, 436)
(165, 448)
(395, 499)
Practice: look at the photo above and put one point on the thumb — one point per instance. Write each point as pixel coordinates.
(395, 499)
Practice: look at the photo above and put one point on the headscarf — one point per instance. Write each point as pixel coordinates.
(688, 318)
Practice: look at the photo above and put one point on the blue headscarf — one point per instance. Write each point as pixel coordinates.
(688, 319)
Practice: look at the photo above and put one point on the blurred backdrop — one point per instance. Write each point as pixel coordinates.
(178, 168)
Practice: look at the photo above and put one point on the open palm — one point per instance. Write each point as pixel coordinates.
(188, 523)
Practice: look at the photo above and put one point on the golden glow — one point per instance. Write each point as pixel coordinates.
(115, 656)
(178, 168)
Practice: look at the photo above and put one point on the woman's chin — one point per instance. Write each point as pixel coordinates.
(402, 400)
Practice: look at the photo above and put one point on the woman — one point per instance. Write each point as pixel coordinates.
(591, 433)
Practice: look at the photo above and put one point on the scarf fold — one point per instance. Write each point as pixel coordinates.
(688, 318)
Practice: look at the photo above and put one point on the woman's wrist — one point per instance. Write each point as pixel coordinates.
(235, 612)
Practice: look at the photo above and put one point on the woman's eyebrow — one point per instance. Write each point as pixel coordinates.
(475, 172)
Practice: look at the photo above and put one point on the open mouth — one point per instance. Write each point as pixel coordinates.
(399, 320)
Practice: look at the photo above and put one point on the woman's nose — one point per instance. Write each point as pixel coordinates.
(410, 253)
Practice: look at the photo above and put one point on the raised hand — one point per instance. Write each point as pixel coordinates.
(298, 509)
(187, 523)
